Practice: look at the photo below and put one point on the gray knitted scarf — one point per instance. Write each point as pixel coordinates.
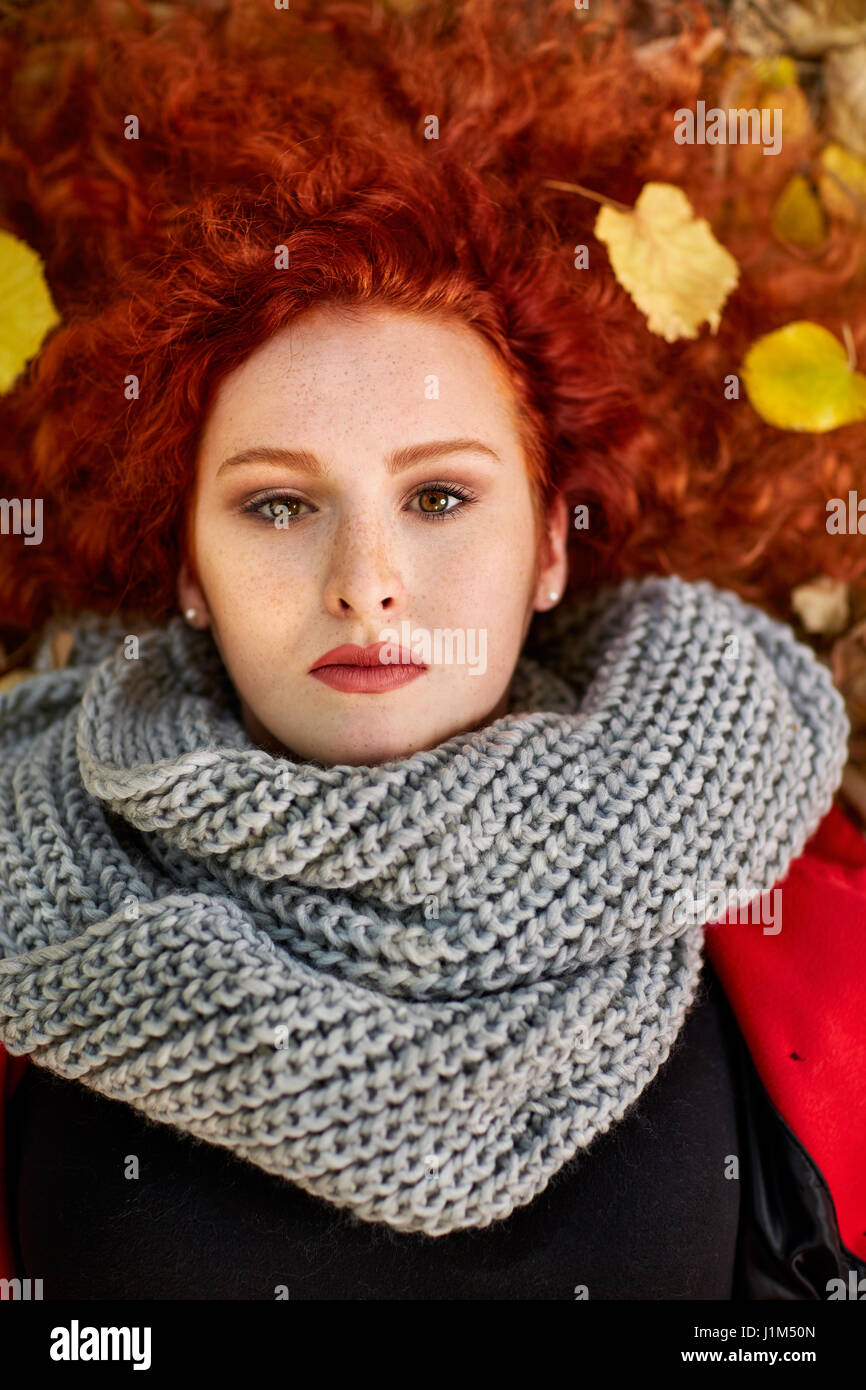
(417, 989)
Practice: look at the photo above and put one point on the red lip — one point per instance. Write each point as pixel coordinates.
(350, 654)
(367, 680)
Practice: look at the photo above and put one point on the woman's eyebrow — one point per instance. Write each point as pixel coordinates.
(306, 462)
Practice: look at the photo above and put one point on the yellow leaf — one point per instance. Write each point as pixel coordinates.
(799, 378)
(676, 272)
(796, 118)
(28, 312)
(842, 183)
(791, 133)
(798, 216)
(776, 72)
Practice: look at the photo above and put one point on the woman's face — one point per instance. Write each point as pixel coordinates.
(403, 515)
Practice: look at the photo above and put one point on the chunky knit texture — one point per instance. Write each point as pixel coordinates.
(415, 990)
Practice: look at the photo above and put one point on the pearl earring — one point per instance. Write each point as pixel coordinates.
(190, 615)
(553, 595)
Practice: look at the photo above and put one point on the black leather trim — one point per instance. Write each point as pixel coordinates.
(788, 1244)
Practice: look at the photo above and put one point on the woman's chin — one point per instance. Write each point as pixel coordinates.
(363, 741)
(367, 748)
(365, 753)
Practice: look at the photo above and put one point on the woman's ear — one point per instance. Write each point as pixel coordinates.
(191, 599)
(553, 568)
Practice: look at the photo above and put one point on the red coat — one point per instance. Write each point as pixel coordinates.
(799, 997)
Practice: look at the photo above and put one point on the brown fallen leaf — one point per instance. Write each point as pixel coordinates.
(806, 28)
(848, 664)
(845, 88)
(822, 605)
(853, 790)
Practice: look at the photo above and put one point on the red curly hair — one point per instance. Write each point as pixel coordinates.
(262, 128)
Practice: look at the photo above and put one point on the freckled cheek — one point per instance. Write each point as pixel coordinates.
(484, 582)
(502, 572)
(251, 557)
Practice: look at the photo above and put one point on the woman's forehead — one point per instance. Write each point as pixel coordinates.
(381, 381)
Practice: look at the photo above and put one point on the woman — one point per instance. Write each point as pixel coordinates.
(400, 946)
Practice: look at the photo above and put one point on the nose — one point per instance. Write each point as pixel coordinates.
(363, 578)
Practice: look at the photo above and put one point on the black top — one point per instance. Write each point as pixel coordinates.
(646, 1212)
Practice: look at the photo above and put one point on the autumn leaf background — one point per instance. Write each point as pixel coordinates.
(720, 263)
